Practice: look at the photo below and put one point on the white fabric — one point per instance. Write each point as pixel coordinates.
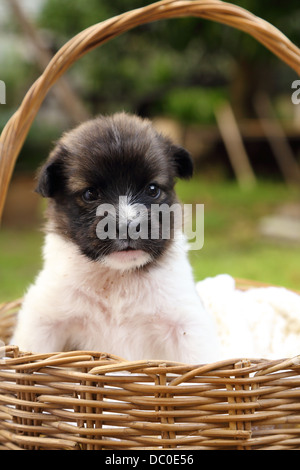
(261, 322)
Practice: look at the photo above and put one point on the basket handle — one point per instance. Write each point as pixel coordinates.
(17, 128)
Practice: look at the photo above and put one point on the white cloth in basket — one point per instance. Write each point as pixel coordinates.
(262, 322)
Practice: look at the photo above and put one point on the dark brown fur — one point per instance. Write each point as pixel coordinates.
(114, 156)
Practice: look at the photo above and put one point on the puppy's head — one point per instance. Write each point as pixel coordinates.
(103, 180)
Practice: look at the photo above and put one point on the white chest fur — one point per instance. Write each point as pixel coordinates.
(140, 314)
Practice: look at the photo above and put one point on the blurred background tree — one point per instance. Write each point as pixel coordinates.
(141, 69)
(180, 68)
(138, 70)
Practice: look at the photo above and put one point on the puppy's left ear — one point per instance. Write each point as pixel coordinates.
(183, 162)
(50, 177)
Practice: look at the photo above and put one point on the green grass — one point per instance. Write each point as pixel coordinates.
(20, 260)
(232, 243)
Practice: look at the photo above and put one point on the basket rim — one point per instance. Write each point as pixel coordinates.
(101, 363)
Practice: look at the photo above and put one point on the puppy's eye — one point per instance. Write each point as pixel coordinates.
(90, 195)
(153, 191)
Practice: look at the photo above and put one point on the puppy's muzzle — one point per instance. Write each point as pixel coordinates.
(125, 224)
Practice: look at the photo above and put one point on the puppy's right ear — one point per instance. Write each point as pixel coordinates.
(183, 162)
(50, 175)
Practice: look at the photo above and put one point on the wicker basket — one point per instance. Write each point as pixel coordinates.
(93, 400)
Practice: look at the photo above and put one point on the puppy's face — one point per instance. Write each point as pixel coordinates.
(103, 176)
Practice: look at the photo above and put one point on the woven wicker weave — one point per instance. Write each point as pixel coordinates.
(92, 400)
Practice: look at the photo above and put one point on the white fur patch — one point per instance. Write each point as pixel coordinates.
(125, 260)
(76, 303)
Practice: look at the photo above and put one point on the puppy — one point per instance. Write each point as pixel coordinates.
(130, 296)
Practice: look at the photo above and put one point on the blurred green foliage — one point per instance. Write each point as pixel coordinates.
(135, 70)
(180, 68)
(138, 69)
(193, 105)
